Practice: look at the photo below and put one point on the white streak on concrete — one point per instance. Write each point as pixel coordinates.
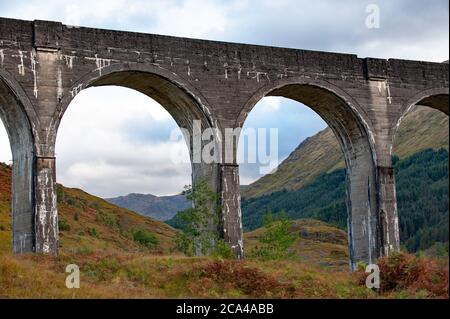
(59, 89)
(388, 91)
(2, 57)
(33, 70)
(21, 66)
(101, 63)
(76, 90)
(225, 65)
(69, 60)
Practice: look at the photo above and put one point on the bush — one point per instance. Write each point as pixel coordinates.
(412, 274)
(145, 238)
(223, 250)
(93, 232)
(236, 275)
(63, 225)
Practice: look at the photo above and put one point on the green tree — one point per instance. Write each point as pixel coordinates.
(276, 239)
(200, 234)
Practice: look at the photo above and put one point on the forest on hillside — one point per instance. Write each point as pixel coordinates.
(422, 197)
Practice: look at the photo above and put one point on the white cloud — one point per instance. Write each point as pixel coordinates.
(95, 153)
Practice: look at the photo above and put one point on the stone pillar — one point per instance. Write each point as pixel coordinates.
(46, 214)
(384, 106)
(387, 202)
(363, 225)
(23, 234)
(231, 208)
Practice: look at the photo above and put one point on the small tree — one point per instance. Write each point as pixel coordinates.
(276, 238)
(199, 234)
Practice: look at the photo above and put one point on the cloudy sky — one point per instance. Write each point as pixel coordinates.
(128, 149)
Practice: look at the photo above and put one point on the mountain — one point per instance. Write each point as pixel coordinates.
(88, 223)
(158, 207)
(422, 128)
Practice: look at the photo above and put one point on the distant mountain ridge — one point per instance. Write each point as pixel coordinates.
(159, 207)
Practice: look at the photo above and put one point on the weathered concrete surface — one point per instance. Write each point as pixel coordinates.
(44, 65)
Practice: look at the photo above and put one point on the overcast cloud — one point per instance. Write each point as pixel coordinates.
(125, 146)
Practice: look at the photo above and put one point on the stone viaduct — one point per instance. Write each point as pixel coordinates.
(43, 65)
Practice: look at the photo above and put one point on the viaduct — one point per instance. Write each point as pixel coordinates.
(44, 65)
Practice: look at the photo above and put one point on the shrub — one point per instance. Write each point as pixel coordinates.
(63, 225)
(235, 275)
(145, 238)
(59, 193)
(93, 232)
(223, 250)
(414, 274)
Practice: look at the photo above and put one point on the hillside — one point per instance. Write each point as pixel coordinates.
(158, 207)
(112, 265)
(422, 197)
(317, 242)
(422, 128)
(88, 223)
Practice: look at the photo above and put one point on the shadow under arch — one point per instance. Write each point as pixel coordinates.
(350, 125)
(15, 112)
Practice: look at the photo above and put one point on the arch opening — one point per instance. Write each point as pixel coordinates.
(19, 132)
(355, 143)
(179, 108)
(420, 162)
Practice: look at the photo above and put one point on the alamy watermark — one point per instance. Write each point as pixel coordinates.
(373, 279)
(373, 16)
(73, 279)
(210, 145)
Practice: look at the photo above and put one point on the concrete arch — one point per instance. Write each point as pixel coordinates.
(15, 109)
(182, 100)
(352, 128)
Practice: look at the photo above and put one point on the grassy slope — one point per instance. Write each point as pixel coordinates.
(422, 128)
(318, 243)
(113, 266)
(94, 223)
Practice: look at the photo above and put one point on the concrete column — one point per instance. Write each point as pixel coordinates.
(23, 234)
(363, 225)
(387, 203)
(383, 105)
(231, 208)
(46, 214)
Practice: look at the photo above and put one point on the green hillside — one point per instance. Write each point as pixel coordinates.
(422, 197)
(422, 128)
(88, 223)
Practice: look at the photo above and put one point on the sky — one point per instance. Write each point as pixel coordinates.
(125, 146)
